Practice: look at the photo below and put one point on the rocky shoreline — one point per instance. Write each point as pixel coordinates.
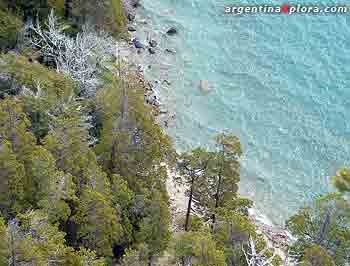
(139, 53)
(277, 238)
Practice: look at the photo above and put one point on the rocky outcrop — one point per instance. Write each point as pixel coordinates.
(130, 8)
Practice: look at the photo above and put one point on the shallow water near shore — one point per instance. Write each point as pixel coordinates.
(281, 83)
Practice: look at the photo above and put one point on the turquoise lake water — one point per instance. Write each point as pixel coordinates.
(279, 82)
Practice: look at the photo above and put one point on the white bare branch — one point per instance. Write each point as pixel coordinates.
(254, 258)
(82, 58)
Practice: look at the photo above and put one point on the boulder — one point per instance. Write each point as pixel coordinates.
(131, 17)
(137, 43)
(153, 43)
(153, 99)
(135, 3)
(151, 50)
(131, 28)
(130, 8)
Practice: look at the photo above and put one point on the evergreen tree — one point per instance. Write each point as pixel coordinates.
(224, 173)
(342, 180)
(193, 168)
(61, 199)
(315, 256)
(131, 142)
(232, 231)
(155, 231)
(10, 25)
(4, 245)
(68, 142)
(11, 180)
(98, 222)
(327, 224)
(198, 249)
(14, 128)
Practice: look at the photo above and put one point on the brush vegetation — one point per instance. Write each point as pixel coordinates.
(82, 173)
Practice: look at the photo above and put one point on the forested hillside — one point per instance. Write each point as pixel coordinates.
(84, 165)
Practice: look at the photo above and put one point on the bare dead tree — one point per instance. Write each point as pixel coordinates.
(255, 258)
(82, 58)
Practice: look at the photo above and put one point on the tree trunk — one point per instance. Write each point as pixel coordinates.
(68, 6)
(188, 213)
(217, 198)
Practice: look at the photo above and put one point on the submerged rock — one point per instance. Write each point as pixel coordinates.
(204, 85)
(171, 51)
(143, 21)
(172, 31)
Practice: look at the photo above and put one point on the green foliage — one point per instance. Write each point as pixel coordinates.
(68, 142)
(131, 142)
(10, 25)
(231, 231)
(57, 5)
(29, 8)
(61, 193)
(40, 242)
(327, 224)
(11, 178)
(4, 249)
(342, 180)
(53, 86)
(54, 187)
(85, 257)
(137, 257)
(212, 178)
(106, 15)
(316, 256)
(99, 228)
(33, 240)
(154, 231)
(48, 90)
(200, 248)
(14, 124)
(193, 166)
(223, 172)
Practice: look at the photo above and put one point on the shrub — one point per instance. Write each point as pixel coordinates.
(10, 25)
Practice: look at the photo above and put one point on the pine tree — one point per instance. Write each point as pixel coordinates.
(342, 180)
(4, 245)
(61, 199)
(198, 249)
(68, 141)
(131, 142)
(14, 124)
(155, 231)
(39, 168)
(193, 167)
(224, 173)
(316, 256)
(11, 180)
(32, 240)
(231, 231)
(325, 223)
(98, 222)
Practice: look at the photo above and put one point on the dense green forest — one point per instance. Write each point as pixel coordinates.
(84, 165)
